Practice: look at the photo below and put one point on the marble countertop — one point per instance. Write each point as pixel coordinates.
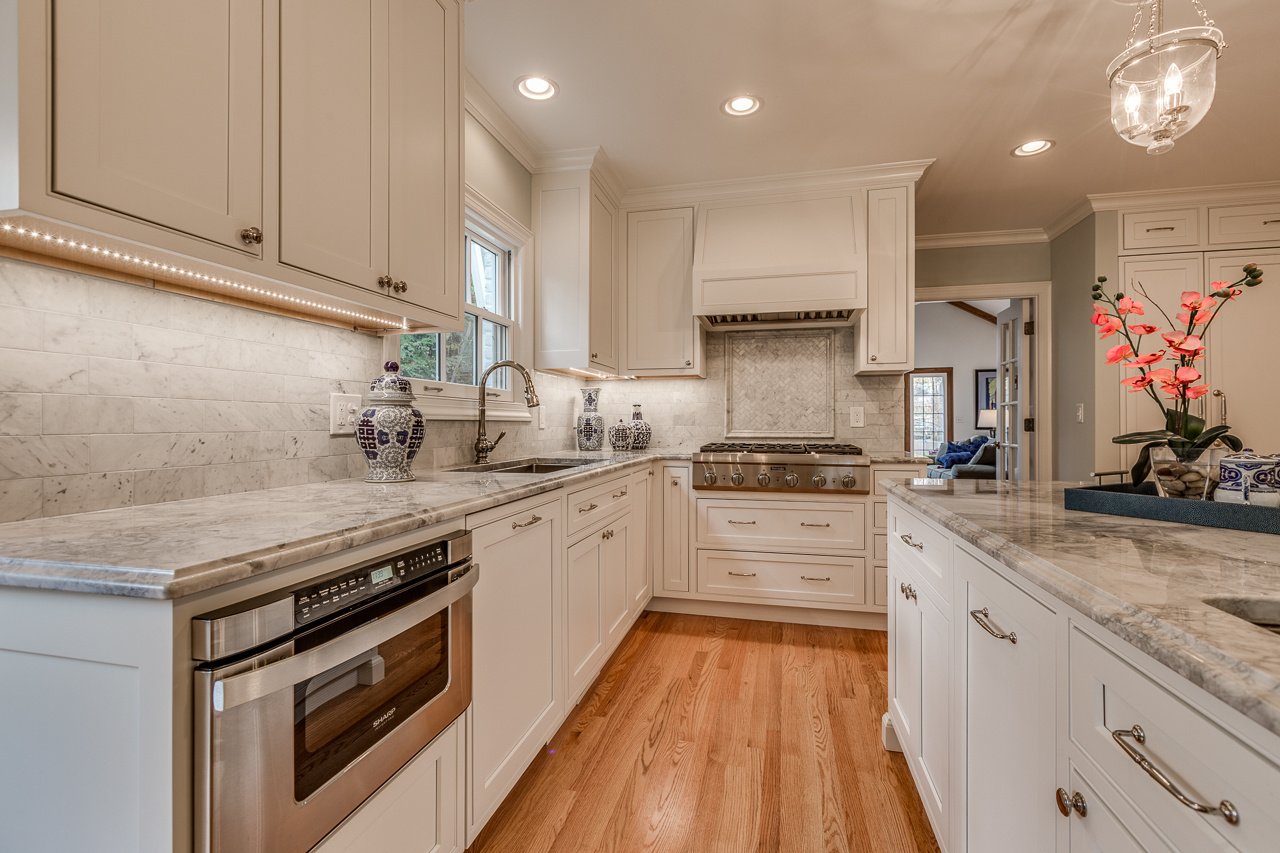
(171, 550)
(1145, 581)
(898, 459)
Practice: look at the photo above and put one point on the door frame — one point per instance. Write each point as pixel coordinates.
(951, 402)
(1040, 292)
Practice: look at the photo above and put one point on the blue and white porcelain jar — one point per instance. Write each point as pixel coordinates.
(1248, 477)
(390, 430)
(641, 432)
(590, 425)
(621, 435)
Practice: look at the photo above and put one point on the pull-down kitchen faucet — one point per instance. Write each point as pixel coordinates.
(483, 445)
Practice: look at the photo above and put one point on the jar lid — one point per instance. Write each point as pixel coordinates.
(391, 386)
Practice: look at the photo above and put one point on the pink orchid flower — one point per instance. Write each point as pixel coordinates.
(1128, 305)
(1186, 375)
(1119, 353)
(1160, 374)
(1108, 325)
(1201, 316)
(1149, 358)
(1137, 383)
(1223, 285)
(1143, 328)
(1195, 392)
(1182, 344)
(1193, 300)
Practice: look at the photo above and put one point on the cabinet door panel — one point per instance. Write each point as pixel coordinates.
(935, 707)
(425, 192)
(639, 562)
(660, 325)
(334, 139)
(614, 601)
(676, 508)
(157, 111)
(602, 338)
(904, 657)
(584, 639)
(886, 333)
(1236, 341)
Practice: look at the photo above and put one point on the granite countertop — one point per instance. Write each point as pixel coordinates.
(1145, 581)
(898, 459)
(171, 550)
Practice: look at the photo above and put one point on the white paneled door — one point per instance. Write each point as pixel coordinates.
(1016, 392)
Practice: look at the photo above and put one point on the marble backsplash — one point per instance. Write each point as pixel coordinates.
(114, 394)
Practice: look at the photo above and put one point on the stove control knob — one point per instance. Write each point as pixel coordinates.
(819, 480)
(762, 479)
(791, 480)
(737, 478)
(848, 481)
(709, 478)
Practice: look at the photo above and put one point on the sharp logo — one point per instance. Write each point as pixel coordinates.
(384, 719)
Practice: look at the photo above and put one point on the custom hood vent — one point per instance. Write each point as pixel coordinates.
(837, 317)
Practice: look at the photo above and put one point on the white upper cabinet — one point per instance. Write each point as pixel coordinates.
(662, 337)
(574, 220)
(886, 332)
(370, 191)
(157, 113)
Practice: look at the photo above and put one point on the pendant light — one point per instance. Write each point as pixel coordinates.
(1162, 86)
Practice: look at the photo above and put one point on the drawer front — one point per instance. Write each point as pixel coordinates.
(1162, 229)
(880, 515)
(880, 547)
(781, 524)
(881, 476)
(1107, 694)
(782, 577)
(596, 503)
(880, 586)
(1252, 223)
(912, 537)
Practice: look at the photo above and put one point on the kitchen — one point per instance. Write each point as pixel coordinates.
(711, 252)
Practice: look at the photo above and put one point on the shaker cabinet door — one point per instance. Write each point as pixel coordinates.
(157, 112)
(663, 338)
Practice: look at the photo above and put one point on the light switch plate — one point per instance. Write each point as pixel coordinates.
(344, 411)
(857, 416)
(1079, 413)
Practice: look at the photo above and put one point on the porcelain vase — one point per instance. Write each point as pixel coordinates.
(641, 432)
(590, 425)
(621, 435)
(390, 429)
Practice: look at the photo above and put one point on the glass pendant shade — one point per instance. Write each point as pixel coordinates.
(1162, 87)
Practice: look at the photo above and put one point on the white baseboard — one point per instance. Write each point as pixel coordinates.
(771, 613)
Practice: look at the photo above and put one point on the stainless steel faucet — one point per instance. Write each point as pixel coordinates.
(483, 445)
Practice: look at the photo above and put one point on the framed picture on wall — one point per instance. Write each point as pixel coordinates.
(984, 384)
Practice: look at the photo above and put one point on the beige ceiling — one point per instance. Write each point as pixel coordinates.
(859, 82)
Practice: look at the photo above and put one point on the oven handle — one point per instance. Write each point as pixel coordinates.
(269, 673)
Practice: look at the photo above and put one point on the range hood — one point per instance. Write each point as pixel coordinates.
(797, 261)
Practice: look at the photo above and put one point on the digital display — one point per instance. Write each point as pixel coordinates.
(383, 574)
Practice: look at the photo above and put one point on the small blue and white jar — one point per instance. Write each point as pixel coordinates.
(641, 432)
(621, 435)
(390, 430)
(590, 424)
(1249, 478)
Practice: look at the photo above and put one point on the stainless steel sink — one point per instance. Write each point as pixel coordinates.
(1263, 612)
(524, 466)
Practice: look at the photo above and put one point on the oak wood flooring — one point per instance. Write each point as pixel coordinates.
(707, 735)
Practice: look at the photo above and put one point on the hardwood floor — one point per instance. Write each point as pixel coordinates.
(723, 735)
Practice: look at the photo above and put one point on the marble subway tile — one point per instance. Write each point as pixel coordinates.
(306, 444)
(158, 485)
(324, 468)
(288, 472)
(41, 372)
(21, 328)
(169, 346)
(43, 288)
(81, 414)
(129, 303)
(20, 414)
(21, 499)
(163, 415)
(24, 456)
(81, 335)
(87, 492)
(235, 477)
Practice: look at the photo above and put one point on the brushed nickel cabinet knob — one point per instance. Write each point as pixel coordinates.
(251, 236)
(399, 286)
(384, 281)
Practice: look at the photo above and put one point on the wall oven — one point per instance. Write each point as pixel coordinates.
(309, 699)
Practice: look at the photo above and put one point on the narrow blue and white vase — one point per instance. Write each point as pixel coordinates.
(590, 425)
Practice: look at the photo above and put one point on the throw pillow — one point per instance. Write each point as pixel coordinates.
(947, 460)
(986, 454)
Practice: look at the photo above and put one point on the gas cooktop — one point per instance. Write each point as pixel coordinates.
(776, 447)
(782, 467)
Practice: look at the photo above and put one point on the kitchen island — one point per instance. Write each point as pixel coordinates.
(1038, 654)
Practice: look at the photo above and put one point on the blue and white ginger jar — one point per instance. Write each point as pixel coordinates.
(390, 430)
(641, 432)
(1248, 477)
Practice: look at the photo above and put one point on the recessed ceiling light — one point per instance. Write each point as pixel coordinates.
(536, 88)
(741, 105)
(1032, 148)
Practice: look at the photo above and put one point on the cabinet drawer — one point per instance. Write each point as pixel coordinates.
(882, 476)
(1109, 694)
(880, 515)
(1252, 223)
(912, 537)
(782, 577)
(1162, 229)
(595, 503)
(781, 524)
(880, 547)
(880, 586)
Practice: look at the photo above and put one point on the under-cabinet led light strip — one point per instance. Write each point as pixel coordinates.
(146, 263)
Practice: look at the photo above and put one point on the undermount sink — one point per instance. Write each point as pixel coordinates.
(523, 466)
(1263, 612)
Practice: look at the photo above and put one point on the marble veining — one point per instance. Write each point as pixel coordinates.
(171, 550)
(1145, 581)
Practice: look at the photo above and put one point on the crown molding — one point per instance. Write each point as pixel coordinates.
(857, 177)
(580, 159)
(1222, 193)
(1069, 219)
(484, 109)
(968, 240)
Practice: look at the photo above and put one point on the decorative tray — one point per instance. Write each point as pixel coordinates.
(1143, 502)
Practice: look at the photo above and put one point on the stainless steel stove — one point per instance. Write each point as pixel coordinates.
(766, 467)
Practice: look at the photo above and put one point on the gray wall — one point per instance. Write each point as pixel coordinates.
(982, 265)
(1073, 370)
(495, 174)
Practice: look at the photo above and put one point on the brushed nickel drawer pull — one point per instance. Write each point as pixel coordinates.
(608, 534)
(807, 578)
(981, 617)
(1162, 228)
(434, 389)
(911, 592)
(906, 537)
(1225, 808)
(621, 494)
(742, 574)
(516, 525)
(807, 524)
(902, 588)
(583, 509)
(743, 523)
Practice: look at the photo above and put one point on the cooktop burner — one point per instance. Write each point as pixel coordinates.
(776, 447)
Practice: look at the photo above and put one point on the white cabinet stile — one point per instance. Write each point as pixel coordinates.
(639, 539)
(676, 507)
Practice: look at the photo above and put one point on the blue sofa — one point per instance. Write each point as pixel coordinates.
(981, 467)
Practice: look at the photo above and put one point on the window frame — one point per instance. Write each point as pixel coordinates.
(493, 228)
(950, 419)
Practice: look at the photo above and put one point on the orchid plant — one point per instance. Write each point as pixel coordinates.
(1169, 372)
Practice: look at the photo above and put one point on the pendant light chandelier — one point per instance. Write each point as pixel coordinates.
(1162, 86)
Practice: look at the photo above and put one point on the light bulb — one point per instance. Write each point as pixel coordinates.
(1133, 102)
(1173, 88)
(537, 85)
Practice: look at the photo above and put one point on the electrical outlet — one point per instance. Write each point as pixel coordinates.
(344, 411)
(857, 416)
(1079, 413)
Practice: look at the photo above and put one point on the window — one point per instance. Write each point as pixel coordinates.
(929, 417)
(450, 364)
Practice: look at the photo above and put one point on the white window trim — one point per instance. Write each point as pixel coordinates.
(497, 226)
